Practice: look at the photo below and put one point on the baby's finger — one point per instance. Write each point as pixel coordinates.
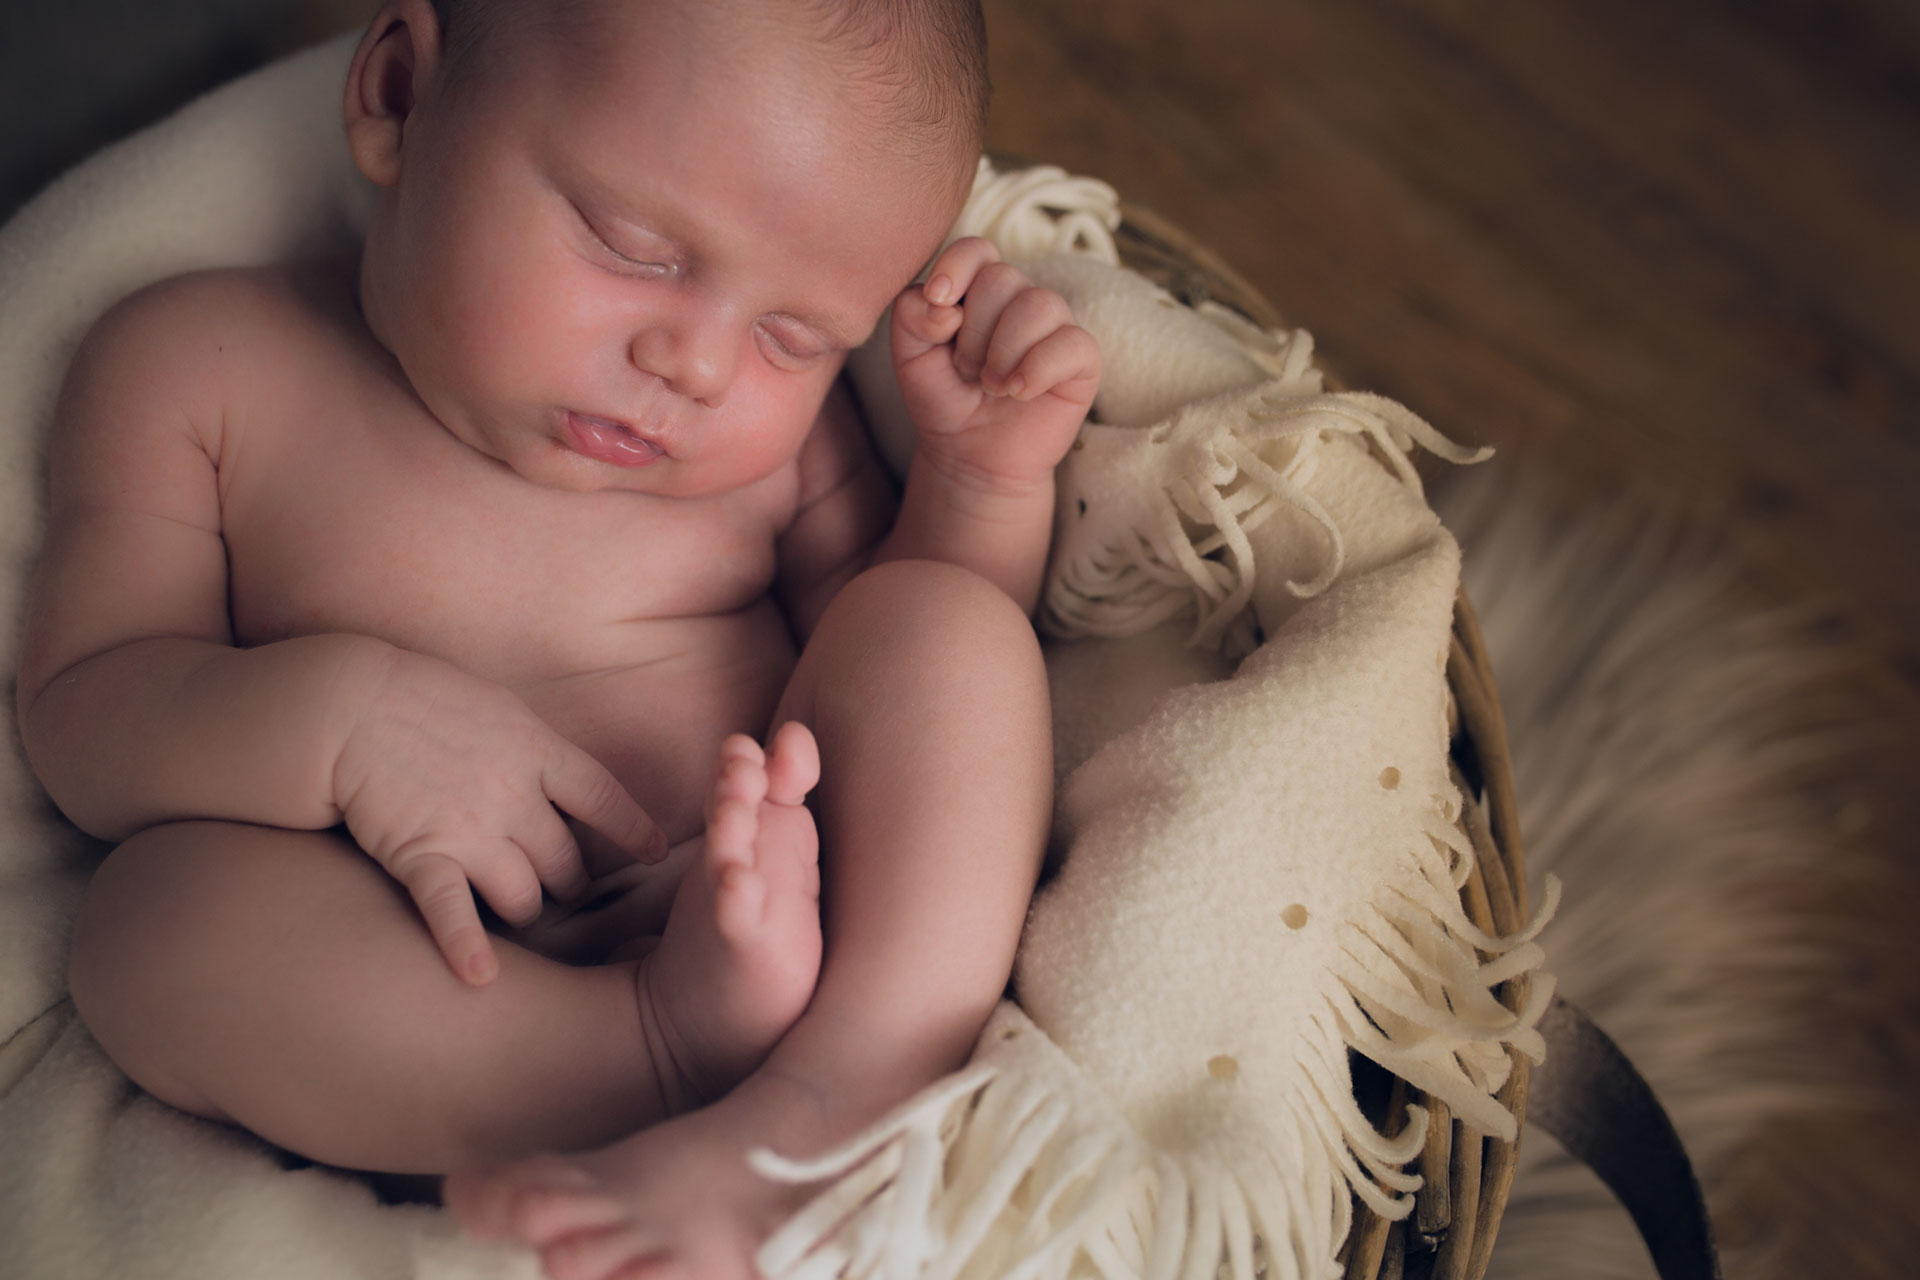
(1028, 319)
(502, 873)
(1065, 362)
(919, 324)
(555, 857)
(952, 273)
(580, 785)
(993, 289)
(439, 889)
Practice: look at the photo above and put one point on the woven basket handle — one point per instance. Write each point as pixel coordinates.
(1604, 1113)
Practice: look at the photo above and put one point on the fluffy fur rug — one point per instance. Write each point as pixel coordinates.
(1681, 757)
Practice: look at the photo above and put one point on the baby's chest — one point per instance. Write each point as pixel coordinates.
(447, 553)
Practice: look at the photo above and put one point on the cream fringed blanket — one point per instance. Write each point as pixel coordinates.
(1260, 870)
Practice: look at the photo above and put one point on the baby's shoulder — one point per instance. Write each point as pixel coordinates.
(254, 306)
(193, 341)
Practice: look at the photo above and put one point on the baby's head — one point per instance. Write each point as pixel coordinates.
(625, 243)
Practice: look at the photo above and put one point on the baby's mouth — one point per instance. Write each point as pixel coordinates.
(610, 440)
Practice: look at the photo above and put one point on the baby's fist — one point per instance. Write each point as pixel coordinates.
(994, 371)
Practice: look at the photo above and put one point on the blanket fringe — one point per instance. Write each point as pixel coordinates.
(1240, 458)
(1019, 1168)
(1044, 1180)
(1029, 213)
(1416, 996)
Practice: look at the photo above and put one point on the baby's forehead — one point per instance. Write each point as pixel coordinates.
(914, 67)
(608, 33)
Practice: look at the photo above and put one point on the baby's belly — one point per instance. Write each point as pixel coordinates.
(657, 722)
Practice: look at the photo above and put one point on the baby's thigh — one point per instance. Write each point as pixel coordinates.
(193, 891)
(195, 934)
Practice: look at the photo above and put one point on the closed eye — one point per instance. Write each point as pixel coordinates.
(625, 263)
(790, 344)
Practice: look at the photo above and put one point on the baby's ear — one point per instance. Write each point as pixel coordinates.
(397, 57)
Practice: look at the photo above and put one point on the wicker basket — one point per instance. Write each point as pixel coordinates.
(1467, 1175)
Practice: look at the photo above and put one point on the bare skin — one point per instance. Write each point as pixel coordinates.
(368, 601)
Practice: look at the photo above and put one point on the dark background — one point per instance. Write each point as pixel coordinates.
(1663, 253)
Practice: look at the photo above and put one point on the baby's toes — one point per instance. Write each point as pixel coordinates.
(617, 1253)
(733, 812)
(539, 1202)
(739, 903)
(742, 781)
(793, 765)
(739, 746)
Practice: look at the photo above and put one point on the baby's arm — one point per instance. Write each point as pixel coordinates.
(997, 378)
(979, 491)
(136, 707)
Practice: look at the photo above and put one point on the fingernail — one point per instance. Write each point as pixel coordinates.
(940, 290)
(1016, 385)
(657, 847)
(481, 968)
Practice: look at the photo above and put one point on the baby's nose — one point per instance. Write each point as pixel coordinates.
(696, 357)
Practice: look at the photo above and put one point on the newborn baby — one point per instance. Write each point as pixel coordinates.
(413, 626)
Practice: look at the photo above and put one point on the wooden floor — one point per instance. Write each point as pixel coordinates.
(1669, 252)
(1664, 256)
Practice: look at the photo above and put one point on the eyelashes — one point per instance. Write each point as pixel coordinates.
(639, 266)
(627, 264)
(798, 354)
(787, 343)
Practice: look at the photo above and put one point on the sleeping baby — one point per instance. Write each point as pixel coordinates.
(413, 626)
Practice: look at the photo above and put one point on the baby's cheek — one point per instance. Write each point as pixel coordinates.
(768, 441)
(772, 443)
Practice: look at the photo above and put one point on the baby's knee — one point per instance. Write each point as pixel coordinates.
(908, 630)
(931, 603)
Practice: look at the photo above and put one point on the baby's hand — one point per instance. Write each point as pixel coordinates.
(448, 780)
(995, 373)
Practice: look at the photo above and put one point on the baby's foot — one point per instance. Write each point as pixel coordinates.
(741, 950)
(677, 1201)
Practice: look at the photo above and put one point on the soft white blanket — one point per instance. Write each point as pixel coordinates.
(1261, 872)
(1262, 867)
(97, 1179)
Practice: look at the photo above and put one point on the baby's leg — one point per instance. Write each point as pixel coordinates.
(281, 981)
(925, 688)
